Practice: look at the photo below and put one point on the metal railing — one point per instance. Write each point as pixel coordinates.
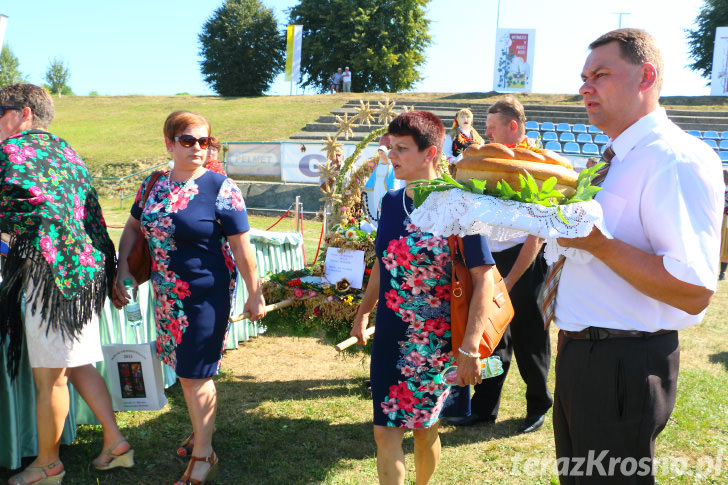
(126, 177)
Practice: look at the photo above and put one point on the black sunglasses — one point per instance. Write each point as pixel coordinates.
(189, 141)
(3, 109)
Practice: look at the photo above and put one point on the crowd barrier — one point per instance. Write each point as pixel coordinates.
(274, 252)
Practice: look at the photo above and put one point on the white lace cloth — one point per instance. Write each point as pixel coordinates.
(464, 213)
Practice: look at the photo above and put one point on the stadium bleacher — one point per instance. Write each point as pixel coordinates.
(723, 156)
(578, 128)
(723, 145)
(711, 143)
(590, 149)
(571, 147)
(711, 135)
(547, 126)
(554, 146)
(549, 136)
(566, 136)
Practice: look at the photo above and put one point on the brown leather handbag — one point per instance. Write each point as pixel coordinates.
(139, 259)
(500, 312)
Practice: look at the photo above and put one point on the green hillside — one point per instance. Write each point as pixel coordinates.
(111, 133)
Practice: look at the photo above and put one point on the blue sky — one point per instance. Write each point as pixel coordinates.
(150, 47)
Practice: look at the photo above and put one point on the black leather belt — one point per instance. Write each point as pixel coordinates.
(599, 333)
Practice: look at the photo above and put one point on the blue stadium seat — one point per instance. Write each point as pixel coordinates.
(571, 147)
(563, 127)
(567, 137)
(532, 125)
(533, 134)
(547, 126)
(601, 139)
(593, 130)
(549, 136)
(590, 149)
(553, 146)
(578, 128)
(584, 138)
(723, 156)
(723, 145)
(711, 135)
(694, 133)
(711, 143)
(602, 148)
(724, 135)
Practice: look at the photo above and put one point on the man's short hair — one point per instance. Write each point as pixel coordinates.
(33, 97)
(512, 110)
(637, 47)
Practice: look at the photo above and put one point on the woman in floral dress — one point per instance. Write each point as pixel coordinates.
(195, 222)
(411, 283)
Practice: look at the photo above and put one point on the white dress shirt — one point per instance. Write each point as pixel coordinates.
(664, 195)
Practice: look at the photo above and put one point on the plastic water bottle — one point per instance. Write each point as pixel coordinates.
(489, 367)
(132, 311)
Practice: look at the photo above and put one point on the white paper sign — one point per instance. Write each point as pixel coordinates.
(345, 263)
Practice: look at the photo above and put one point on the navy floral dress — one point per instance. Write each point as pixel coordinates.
(412, 335)
(193, 272)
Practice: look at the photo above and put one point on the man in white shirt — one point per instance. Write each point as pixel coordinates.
(346, 79)
(619, 312)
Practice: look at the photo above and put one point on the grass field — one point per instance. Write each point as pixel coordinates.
(292, 410)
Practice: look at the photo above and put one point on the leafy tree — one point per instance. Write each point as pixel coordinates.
(383, 41)
(9, 73)
(57, 77)
(701, 40)
(242, 48)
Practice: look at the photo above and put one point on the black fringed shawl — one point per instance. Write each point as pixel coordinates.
(58, 242)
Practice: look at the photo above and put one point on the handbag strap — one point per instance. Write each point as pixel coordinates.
(456, 247)
(150, 183)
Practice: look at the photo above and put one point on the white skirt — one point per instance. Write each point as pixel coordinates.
(53, 350)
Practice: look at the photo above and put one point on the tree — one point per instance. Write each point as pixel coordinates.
(57, 77)
(9, 73)
(242, 49)
(701, 40)
(383, 41)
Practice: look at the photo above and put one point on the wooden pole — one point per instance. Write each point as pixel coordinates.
(268, 308)
(368, 332)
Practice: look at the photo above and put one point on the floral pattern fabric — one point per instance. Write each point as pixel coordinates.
(193, 271)
(412, 337)
(59, 237)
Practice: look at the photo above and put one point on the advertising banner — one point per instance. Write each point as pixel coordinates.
(299, 161)
(254, 159)
(514, 55)
(719, 78)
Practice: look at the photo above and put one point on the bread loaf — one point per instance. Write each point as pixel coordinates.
(494, 162)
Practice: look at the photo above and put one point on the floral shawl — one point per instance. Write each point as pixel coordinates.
(58, 238)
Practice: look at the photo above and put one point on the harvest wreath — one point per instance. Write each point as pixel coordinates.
(318, 305)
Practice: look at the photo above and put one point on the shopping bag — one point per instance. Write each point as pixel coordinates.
(135, 377)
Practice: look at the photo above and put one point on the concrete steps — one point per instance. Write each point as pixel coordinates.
(446, 111)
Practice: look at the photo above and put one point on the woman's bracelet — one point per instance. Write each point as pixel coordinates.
(476, 355)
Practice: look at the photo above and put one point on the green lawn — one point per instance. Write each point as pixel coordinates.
(292, 410)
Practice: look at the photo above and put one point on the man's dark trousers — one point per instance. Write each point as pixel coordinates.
(525, 337)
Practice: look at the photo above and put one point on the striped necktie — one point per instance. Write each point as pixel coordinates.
(552, 279)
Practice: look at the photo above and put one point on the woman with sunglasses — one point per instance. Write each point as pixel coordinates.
(197, 228)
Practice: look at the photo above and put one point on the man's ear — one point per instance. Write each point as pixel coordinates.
(513, 125)
(649, 76)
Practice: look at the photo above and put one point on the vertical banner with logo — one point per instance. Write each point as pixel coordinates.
(293, 52)
(514, 53)
(719, 78)
(3, 24)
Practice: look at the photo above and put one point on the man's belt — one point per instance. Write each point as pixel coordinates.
(599, 333)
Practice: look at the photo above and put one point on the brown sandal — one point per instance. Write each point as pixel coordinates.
(209, 476)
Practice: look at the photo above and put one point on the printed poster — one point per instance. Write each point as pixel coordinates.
(719, 78)
(514, 57)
